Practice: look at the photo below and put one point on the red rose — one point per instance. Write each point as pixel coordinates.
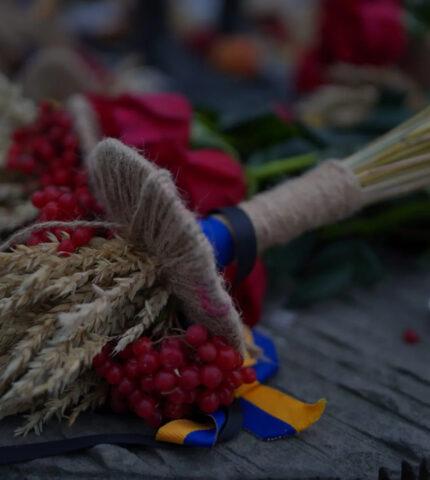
(159, 125)
(311, 72)
(362, 31)
(143, 120)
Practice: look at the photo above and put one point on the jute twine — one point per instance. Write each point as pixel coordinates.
(326, 194)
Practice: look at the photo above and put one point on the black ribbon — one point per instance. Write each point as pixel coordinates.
(30, 451)
(245, 240)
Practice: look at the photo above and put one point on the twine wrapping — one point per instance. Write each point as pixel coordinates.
(324, 195)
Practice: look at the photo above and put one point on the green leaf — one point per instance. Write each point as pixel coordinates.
(293, 147)
(407, 211)
(205, 136)
(258, 132)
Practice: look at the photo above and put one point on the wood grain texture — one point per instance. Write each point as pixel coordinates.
(349, 350)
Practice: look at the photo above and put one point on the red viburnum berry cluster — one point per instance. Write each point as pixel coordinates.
(170, 379)
(48, 149)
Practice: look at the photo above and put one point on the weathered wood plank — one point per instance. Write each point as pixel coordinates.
(349, 350)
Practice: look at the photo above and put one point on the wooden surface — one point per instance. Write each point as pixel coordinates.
(349, 350)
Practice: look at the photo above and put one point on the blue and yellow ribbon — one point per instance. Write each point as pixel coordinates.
(266, 412)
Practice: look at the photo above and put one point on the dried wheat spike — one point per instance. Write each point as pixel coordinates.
(144, 319)
(88, 384)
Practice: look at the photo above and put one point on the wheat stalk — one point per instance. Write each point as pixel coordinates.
(104, 308)
(58, 407)
(144, 319)
(71, 307)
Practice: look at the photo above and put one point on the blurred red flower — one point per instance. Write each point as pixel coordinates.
(159, 125)
(360, 32)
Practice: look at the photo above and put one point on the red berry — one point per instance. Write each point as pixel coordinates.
(70, 142)
(51, 193)
(207, 352)
(171, 358)
(196, 335)
(85, 198)
(80, 178)
(66, 247)
(149, 362)
(142, 346)
(114, 374)
(249, 375)
(56, 134)
(82, 236)
(46, 179)
(69, 158)
(34, 239)
(63, 120)
(45, 107)
(126, 386)
(67, 202)
(234, 379)
(164, 381)
(147, 384)
(189, 378)
(42, 217)
(210, 376)
(61, 176)
(178, 396)
(108, 348)
(51, 211)
(190, 396)
(44, 150)
(219, 341)
(156, 419)
(20, 135)
(173, 410)
(173, 343)
(127, 352)
(99, 359)
(208, 401)
(28, 164)
(62, 232)
(131, 368)
(239, 359)
(102, 370)
(134, 398)
(145, 407)
(411, 336)
(226, 358)
(225, 395)
(39, 199)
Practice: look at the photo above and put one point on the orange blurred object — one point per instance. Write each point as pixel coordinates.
(235, 54)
